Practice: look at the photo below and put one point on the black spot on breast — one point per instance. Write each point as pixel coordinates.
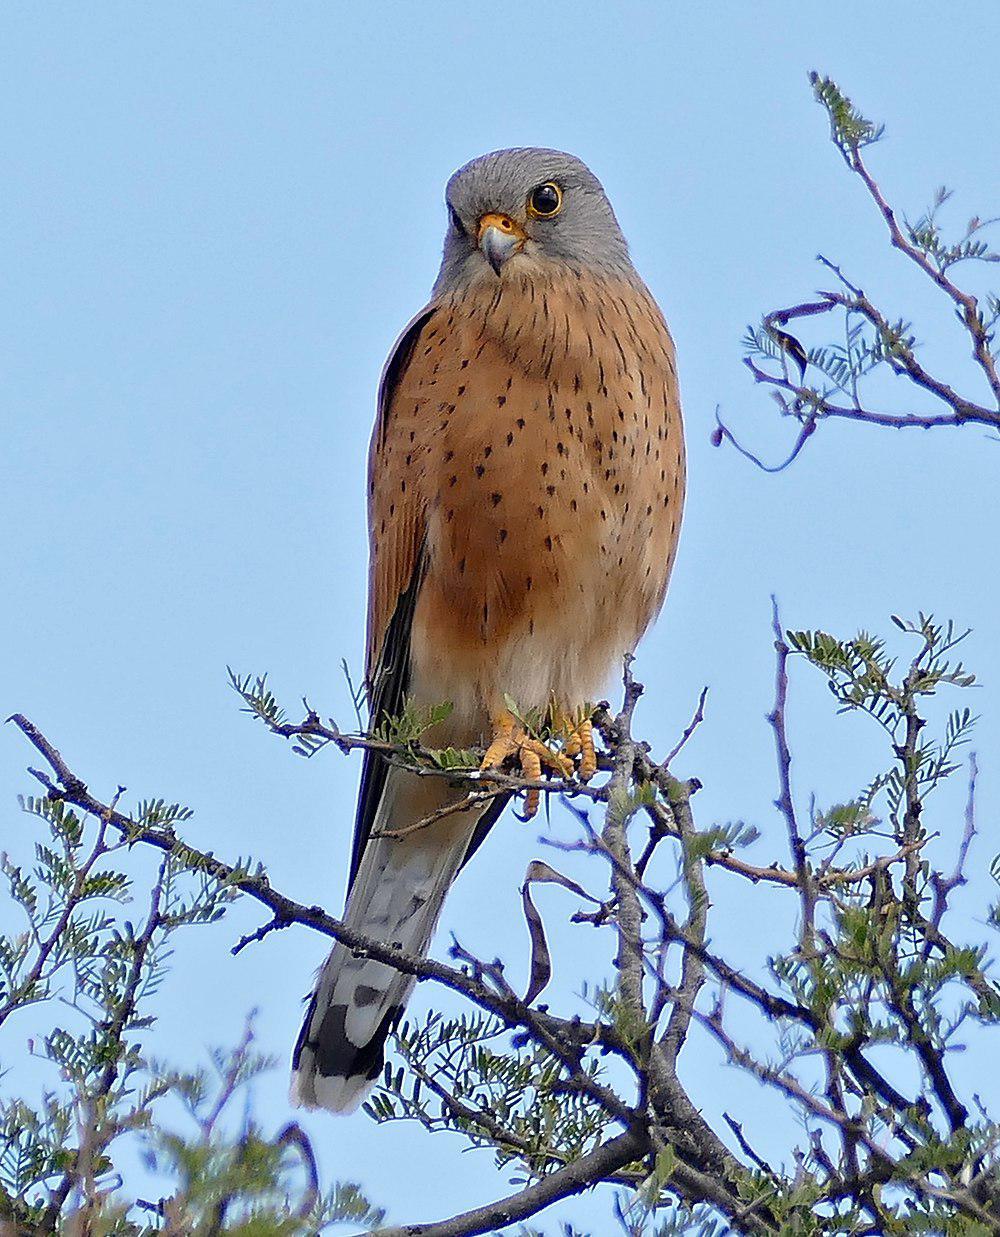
(480, 469)
(495, 499)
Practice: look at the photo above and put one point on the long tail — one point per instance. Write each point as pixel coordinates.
(396, 897)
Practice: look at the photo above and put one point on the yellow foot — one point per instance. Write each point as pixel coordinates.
(510, 740)
(580, 742)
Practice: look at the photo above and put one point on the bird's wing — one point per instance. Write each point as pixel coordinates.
(396, 521)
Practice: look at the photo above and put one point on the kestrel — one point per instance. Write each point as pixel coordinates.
(525, 487)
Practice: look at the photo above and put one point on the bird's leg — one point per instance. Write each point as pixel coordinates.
(531, 768)
(580, 742)
(511, 739)
(503, 743)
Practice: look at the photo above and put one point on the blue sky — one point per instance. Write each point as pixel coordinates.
(215, 220)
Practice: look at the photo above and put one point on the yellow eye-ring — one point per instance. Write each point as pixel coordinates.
(544, 201)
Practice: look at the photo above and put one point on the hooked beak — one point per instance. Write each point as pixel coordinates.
(499, 238)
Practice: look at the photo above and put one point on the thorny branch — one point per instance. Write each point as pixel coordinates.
(648, 1017)
(841, 368)
(69, 788)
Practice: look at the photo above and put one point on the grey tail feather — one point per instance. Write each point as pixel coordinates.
(396, 897)
(328, 1071)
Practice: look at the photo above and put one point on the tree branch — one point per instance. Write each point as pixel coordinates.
(583, 1174)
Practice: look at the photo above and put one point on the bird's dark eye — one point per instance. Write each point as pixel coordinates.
(544, 201)
(456, 222)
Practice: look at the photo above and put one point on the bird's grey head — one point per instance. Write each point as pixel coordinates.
(527, 209)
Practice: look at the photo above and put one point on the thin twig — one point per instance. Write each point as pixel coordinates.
(689, 729)
(942, 885)
(784, 802)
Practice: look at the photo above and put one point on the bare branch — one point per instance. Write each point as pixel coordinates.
(583, 1174)
(284, 909)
